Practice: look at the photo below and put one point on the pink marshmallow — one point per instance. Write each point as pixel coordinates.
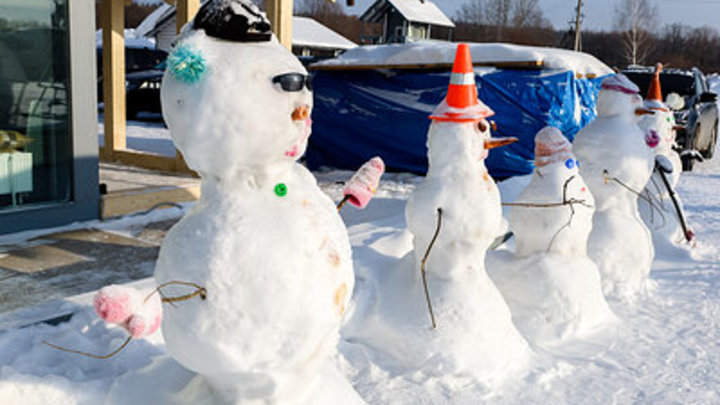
(361, 187)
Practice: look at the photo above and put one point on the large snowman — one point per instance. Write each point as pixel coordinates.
(453, 216)
(660, 213)
(553, 289)
(616, 161)
(264, 242)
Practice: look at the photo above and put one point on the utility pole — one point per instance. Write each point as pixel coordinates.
(578, 19)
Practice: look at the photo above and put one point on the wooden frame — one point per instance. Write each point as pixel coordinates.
(113, 22)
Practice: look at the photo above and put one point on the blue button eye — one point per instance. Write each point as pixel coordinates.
(570, 163)
(577, 163)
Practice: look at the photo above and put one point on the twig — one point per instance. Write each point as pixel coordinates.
(422, 267)
(342, 202)
(647, 199)
(199, 291)
(94, 356)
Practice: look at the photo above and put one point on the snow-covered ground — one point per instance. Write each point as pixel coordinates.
(665, 351)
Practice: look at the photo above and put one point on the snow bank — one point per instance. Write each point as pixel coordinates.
(132, 40)
(437, 52)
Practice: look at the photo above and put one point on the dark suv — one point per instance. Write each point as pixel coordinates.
(697, 120)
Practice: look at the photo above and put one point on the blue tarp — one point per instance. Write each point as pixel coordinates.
(361, 114)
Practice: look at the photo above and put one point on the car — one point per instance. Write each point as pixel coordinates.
(143, 91)
(696, 120)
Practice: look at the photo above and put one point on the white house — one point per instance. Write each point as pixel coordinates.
(309, 37)
(408, 20)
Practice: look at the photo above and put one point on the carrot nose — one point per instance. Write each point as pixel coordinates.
(301, 113)
(644, 111)
(497, 142)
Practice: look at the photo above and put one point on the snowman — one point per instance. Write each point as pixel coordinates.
(436, 313)
(264, 243)
(616, 160)
(553, 289)
(658, 210)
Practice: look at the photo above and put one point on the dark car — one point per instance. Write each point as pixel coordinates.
(697, 121)
(143, 91)
(143, 74)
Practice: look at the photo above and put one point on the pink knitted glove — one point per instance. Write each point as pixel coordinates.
(129, 308)
(361, 187)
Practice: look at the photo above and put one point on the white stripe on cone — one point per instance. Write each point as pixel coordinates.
(462, 79)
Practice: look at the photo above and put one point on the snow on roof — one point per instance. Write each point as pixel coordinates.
(421, 11)
(308, 32)
(443, 53)
(132, 40)
(151, 20)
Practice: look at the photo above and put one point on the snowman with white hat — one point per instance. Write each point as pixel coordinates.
(662, 208)
(264, 245)
(553, 289)
(616, 160)
(437, 313)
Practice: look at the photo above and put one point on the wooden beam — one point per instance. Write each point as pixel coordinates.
(280, 13)
(145, 160)
(186, 10)
(143, 199)
(113, 22)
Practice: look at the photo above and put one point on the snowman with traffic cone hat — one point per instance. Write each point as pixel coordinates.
(553, 289)
(440, 313)
(662, 209)
(616, 160)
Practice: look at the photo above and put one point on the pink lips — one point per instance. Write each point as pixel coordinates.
(652, 139)
(295, 150)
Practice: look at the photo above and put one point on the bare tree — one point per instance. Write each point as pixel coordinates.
(316, 8)
(527, 13)
(472, 12)
(497, 13)
(636, 19)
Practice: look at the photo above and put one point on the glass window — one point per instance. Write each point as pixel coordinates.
(35, 133)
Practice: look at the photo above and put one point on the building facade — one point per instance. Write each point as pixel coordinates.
(48, 118)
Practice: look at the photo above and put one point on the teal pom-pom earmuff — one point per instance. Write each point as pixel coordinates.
(186, 64)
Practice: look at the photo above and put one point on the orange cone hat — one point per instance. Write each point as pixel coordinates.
(461, 103)
(654, 98)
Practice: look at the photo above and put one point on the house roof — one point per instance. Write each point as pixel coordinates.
(306, 31)
(310, 33)
(420, 11)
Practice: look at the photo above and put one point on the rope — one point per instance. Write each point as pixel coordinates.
(424, 273)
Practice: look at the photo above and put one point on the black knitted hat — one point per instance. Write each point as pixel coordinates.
(233, 20)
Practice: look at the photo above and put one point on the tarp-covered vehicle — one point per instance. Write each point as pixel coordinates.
(375, 100)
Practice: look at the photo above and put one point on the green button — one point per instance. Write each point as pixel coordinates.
(280, 189)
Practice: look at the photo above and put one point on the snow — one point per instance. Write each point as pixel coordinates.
(310, 33)
(420, 11)
(666, 351)
(133, 39)
(149, 22)
(440, 52)
(149, 135)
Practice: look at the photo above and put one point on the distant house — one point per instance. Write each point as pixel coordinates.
(309, 38)
(408, 20)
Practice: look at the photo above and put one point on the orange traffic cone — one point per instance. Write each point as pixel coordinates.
(461, 103)
(654, 99)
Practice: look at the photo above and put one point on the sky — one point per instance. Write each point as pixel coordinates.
(598, 13)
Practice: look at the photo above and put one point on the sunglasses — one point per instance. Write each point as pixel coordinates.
(293, 81)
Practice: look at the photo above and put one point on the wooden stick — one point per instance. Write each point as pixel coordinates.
(86, 354)
(422, 268)
(342, 202)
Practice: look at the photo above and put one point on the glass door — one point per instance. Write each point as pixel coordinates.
(36, 154)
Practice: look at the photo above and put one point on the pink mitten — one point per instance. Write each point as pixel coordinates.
(115, 303)
(361, 187)
(146, 320)
(130, 309)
